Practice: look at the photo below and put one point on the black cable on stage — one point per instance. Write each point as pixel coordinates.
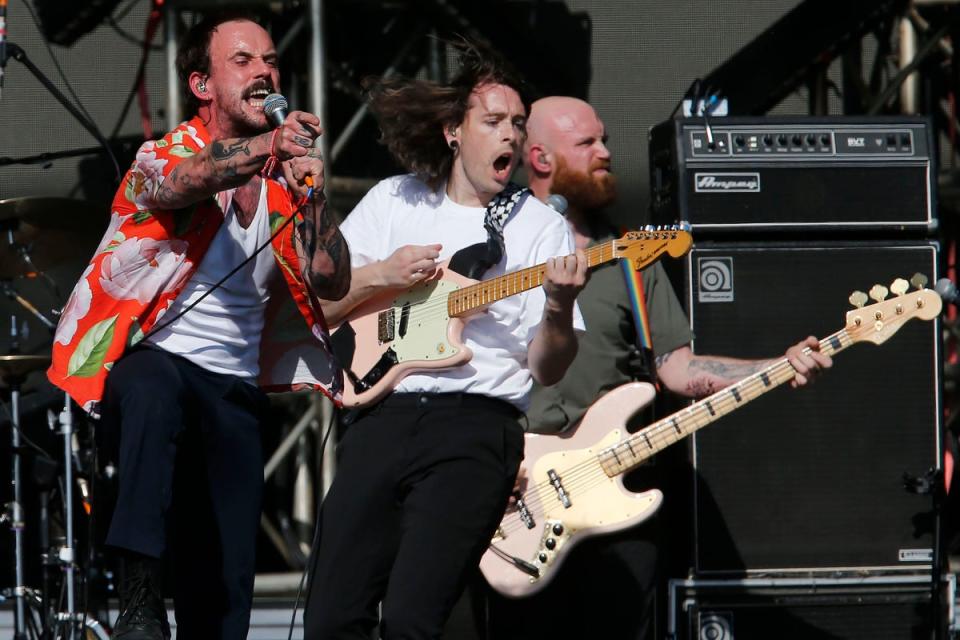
(316, 534)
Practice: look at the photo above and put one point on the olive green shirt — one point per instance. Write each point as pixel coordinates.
(608, 354)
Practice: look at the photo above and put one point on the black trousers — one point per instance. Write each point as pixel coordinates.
(422, 483)
(187, 443)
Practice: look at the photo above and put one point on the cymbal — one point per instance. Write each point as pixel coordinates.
(53, 231)
(15, 366)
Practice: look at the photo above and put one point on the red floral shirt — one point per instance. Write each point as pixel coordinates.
(146, 257)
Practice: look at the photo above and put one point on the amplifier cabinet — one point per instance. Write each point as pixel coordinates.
(785, 174)
(865, 608)
(812, 478)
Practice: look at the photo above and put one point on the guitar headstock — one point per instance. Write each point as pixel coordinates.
(880, 320)
(644, 247)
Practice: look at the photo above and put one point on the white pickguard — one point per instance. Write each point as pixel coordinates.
(425, 335)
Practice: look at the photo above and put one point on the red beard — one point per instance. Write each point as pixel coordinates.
(585, 191)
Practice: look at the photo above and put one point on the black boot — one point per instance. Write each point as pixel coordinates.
(142, 614)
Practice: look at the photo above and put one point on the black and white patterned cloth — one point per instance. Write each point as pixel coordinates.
(498, 210)
(473, 261)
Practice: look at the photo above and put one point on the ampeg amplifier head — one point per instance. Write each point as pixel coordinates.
(786, 174)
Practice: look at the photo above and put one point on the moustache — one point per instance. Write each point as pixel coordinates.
(256, 86)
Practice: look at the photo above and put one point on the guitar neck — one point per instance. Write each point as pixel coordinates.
(468, 299)
(629, 453)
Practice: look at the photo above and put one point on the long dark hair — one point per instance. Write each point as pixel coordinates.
(193, 53)
(413, 114)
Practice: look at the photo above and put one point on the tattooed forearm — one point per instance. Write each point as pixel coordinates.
(223, 164)
(661, 359)
(706, 374)
(731, 371)
(229, 148)
(326, 258)
(234, 162)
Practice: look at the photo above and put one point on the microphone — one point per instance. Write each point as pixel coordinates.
(274, 107)
(3, 41)
(558, 203)
(947, 290)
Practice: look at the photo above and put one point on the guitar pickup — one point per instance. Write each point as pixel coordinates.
(558, 486)
(385, 326)
(523, 511)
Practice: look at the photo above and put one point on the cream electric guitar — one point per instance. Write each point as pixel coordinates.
(574, 480)
(396, 334)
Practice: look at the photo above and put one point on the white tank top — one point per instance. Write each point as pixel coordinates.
(222, 333)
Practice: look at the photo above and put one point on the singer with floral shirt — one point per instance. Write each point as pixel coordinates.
(179, 324)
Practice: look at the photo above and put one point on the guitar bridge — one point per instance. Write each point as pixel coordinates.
(385, 326)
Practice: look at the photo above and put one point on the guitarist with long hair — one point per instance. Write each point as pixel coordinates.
(424, 475)
(566, 153)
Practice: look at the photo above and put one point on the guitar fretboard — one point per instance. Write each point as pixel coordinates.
(468, 299)
(630, 452)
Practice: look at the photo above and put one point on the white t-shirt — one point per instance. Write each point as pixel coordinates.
(402, 210)
(222, 333)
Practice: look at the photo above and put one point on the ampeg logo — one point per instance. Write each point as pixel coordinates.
(726, 182)
(716, 625)
(716, 279)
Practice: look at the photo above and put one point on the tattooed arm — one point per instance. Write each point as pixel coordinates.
(696, 376)
(323, 252)
(324, 255)
(229, 163)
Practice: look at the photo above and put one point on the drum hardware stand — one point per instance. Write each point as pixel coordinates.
(67, 554)
(16, 507)
(8, 290)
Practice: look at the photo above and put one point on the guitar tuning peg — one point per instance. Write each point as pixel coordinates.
(879, 292)
(648, 228)
(899, 286)
(919, 280)
(858, 299)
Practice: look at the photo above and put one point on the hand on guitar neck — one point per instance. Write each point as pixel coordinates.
(554, 346)
(807, 361)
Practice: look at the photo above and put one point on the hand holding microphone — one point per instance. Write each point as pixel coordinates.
(295, 145)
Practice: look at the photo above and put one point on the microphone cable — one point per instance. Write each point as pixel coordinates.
(219, 283)
(316, 532)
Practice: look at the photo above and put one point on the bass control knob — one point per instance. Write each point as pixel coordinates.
(550, 543)
(558, 529)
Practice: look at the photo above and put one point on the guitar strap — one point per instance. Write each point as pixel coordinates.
(641, 320)
(473, 261)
